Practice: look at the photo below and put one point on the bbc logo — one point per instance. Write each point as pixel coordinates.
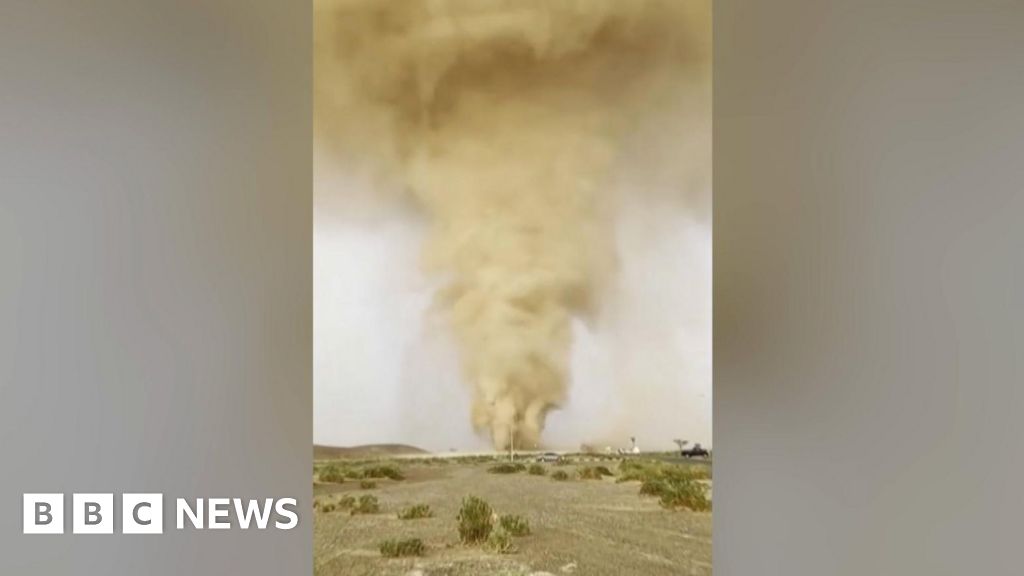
(93, 514)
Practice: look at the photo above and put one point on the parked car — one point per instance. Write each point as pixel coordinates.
(548, 457)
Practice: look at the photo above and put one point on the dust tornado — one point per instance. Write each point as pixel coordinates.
(502, 120)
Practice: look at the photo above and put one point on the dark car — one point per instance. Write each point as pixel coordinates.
(696, 451)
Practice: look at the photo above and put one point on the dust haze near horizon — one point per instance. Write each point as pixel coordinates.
(512, 223)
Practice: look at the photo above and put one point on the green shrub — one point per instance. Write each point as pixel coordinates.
(327, 505)
(638, 470)
(367, 505)
(500, 541)
(630, 470)
(506, 468)
(332, 474)
(383, 471)
(367, 484)
(685, 493)
(604, 471)
(536, 470)
(417, 511)
(685, 473)
(515, 525)
(679, 492)
(402, 548)
(653, 487)
(560, 475)
(630, 465)
(474, 518)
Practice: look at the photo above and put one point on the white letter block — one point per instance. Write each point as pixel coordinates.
(92, 514)
(43, 514)
(142, 513)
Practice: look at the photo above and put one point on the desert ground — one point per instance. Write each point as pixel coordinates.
(599, 527)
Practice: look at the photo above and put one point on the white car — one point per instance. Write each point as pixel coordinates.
(548, 457)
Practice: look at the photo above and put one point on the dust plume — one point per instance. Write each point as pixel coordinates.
(503, 121)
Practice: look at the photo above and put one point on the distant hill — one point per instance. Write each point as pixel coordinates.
(321, 452)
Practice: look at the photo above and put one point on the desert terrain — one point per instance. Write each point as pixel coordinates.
(585, 515)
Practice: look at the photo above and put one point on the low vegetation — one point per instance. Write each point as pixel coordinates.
(332, 474)
(383, 471)
(677, 493)
(641, 470)
(653, 487)
(338, 472)
(594, 472)
(367, 484)
(514, 525)
(473, 459)
(689, 494)
(500, 542)
(475, 522)
(327, 506)
(519, 522)
(507, 468)
(416, 511)
(675, 486)
(402, 548)
(367, 504)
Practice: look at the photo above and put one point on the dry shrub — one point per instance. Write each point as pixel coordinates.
(594, 472)
(675, 493)
(416, 511)
(515, 525)
(500, 541)
(689, 494)
(367, 505)
(475, 521)
(402, 548)
(640, 470)
(383, 471)
(332, 474)
(328, 505)
(653, 487)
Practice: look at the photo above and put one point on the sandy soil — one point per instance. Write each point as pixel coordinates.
(583, 527)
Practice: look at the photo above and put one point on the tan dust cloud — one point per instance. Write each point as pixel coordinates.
(502, 120)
